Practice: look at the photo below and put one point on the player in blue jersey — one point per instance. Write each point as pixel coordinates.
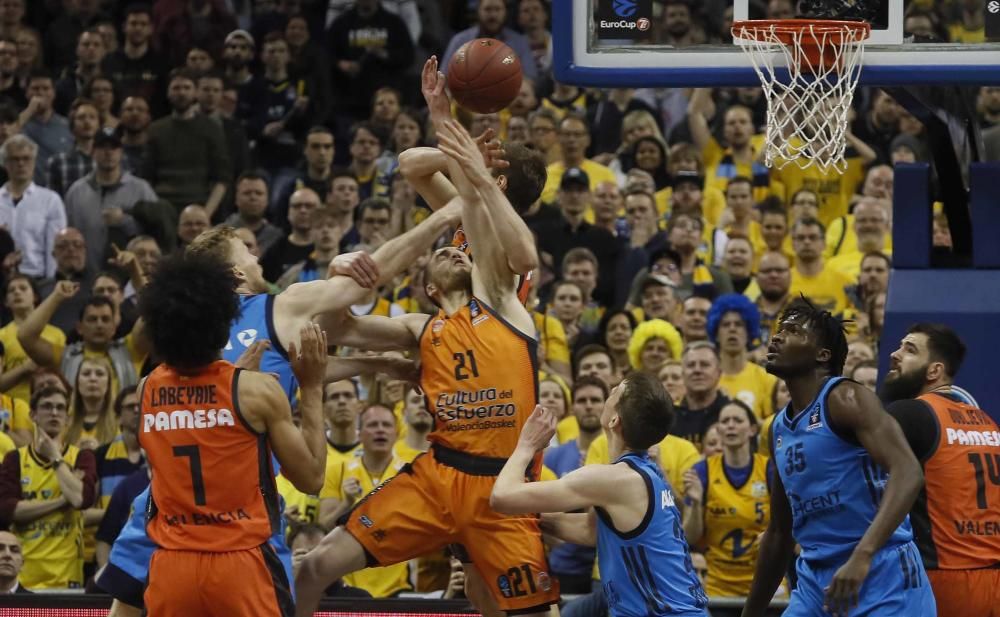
(845, 481)
(643, 556)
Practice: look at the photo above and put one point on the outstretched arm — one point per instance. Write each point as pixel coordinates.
(585, 487)
(29, 334)
(302, 301)
(855, 408)
(700, 109)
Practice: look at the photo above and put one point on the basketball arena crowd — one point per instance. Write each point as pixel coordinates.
(666, 246)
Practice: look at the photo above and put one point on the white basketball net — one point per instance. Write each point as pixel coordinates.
(807, 113)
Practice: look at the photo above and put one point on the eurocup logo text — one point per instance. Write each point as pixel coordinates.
(624, 8)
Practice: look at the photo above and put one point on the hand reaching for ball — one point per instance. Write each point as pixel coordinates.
(464, 153)
(432, 86)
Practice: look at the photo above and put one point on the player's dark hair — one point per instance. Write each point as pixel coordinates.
(943, 345)
(373, 130)
(829, 331)
(318, 129)
(525, 176)
(590, 380)
(646, 411)
(189, 304)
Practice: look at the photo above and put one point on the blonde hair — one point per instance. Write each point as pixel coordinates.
(559, 381)
(107, 423)
(215, 242)
(639, 117)
(647, 330)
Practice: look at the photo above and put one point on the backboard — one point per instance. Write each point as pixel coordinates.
(633, 43)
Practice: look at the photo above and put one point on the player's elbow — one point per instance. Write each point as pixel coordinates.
(500, 501)
(309, 482)
(525, 259)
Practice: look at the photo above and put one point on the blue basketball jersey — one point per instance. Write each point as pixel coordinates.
(833, 486)
(256, 321)
(648, 570)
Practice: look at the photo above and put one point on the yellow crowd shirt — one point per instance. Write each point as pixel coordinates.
(596, 173)
(53, 544)
(840, 238)
(380, 582)
(825, 290)
(306, 505)
(14, 355)
(754, 386)
(735, 516)
(833, 188)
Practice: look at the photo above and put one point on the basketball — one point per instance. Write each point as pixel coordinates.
(484, 76)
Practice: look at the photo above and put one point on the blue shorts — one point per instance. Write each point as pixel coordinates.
(897, 585)
(127, 572)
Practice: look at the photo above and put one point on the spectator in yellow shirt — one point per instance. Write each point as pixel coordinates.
(21, 298)
(738, 219)
(871, 228)
(811, 277)
(356, 478)
(419, 423)
(774, 230)
(574, 138)
(840, 236)
(734, 326)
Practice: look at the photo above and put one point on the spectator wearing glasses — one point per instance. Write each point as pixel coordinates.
(574, 140)
(46, 485)
(70, 253)
(297, 245)
(774, 278)
(374, 217)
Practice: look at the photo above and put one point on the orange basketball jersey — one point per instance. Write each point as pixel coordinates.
(961, 497)
(460, 242)
(479, 377)
(213, 486)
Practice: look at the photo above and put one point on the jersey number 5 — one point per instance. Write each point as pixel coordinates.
(197, 482)
(461, 369)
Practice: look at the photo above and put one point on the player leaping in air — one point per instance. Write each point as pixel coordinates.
(478, 372)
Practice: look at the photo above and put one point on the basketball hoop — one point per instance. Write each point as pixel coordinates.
(809, 109)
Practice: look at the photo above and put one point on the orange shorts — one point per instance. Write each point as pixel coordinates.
(250, 583)
(966, 593)
(428, 505)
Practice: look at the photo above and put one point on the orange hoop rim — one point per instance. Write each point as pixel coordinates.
(786, 30)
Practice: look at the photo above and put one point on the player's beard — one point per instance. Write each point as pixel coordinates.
(903, 386)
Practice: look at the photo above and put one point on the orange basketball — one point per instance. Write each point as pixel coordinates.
(484, 76)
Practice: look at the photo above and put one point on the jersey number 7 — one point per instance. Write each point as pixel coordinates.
(197, 482)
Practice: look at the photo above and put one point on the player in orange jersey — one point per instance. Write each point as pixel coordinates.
(205, 425)
(478, 373)
(956, 518)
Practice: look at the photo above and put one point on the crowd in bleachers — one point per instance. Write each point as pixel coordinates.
(666, 245)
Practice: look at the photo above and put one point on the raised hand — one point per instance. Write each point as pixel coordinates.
(456, 142)
(492, 149)
(308, 359)
(538, 429)
(432, 82)
(250, 359)
(65, 290)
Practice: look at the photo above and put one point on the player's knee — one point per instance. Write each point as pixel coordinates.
(336, 555)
